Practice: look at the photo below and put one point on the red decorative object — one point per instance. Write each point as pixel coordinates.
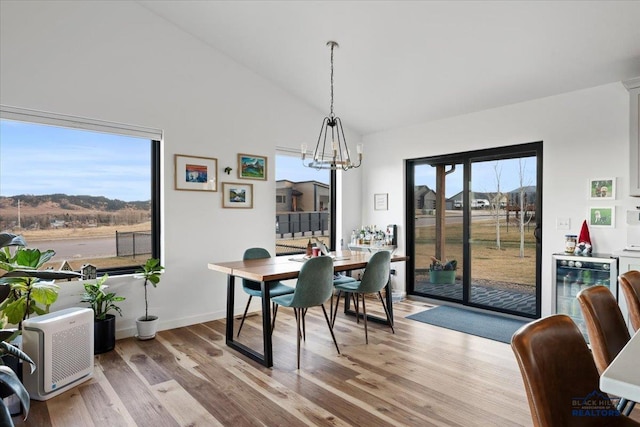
(584, 234)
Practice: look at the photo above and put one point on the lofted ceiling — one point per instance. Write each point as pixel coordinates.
(406, 62)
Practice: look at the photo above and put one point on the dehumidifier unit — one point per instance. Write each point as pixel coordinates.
(61, 345)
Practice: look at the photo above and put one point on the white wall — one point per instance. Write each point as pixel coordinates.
(116, 61)
(585, 135)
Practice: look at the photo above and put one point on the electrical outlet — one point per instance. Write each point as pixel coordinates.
(563, 223)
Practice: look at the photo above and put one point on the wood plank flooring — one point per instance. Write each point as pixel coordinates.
(420, 376)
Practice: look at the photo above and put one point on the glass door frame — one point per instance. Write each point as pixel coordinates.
(466, 159)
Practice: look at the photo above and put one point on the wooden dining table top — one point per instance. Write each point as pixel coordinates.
(288, 266)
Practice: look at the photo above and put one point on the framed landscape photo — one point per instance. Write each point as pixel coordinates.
(193, 173)
(251, 166)
(237, 195)
(381, 201)
(602, 217)
(602, 188)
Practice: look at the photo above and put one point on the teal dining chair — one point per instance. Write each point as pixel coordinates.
(314, 288)
(375, 277)
(253, 288)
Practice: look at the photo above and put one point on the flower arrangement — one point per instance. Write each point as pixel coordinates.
(437, 265)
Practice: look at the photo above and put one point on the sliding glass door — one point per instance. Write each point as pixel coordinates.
(473, 228)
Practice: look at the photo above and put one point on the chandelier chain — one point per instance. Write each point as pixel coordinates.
(331, 109)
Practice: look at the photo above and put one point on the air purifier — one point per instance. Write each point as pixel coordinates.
(61, 345)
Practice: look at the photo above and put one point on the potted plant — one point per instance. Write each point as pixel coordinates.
(148, 324)
(10, 383)
(442, 272)
(30, 289)
(104, 324)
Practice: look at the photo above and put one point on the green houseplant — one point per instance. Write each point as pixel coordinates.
(147, 325)
(442, 272)
(104, 324)
(31, 289)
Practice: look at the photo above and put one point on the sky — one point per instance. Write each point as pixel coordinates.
(483, 176)
(39, 159)
(291, 168)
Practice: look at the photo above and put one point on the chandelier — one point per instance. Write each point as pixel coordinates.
(337, 155)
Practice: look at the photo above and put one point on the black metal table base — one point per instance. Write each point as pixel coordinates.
(265, 358)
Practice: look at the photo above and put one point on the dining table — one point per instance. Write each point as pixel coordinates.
(279, 268)
(622, 376)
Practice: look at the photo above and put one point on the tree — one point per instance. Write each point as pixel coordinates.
(495, 205)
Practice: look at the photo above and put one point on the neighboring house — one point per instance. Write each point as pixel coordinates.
(425, 197)
(303, 196)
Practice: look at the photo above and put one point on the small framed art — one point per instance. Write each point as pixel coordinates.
(193, 173)
(252, 167)
(602, 217)
(602, 188)
(237, 195)
(381, 201)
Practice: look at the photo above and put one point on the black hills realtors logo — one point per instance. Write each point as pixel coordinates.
(595, 404)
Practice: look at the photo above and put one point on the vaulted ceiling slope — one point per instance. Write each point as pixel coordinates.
(407, 62)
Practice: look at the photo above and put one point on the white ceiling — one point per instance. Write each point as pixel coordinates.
(407, 62)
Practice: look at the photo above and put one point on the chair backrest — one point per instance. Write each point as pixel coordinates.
(315, 282)
(254, 253)
(630, 284)
(376, 274)
(605, 325)
(557, 368)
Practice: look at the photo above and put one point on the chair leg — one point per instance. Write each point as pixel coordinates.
(356, 302)
(298, 316)
(335, 312)
(627, 412)
(275, 313)
(304, 329)
(386, 311)
(364, 315)
(330, 328)
(244, 315)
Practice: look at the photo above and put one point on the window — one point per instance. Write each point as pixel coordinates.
(88, 190)
(304, 201)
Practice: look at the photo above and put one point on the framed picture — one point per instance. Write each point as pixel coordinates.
(195, 173)
(602, 217)
(381, 201)
(602, 188)
(237, 195)
(252, 167)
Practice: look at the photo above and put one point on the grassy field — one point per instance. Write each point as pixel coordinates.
(488, 262)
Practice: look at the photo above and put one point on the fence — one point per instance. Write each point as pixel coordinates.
(132, 243)
(300, 223)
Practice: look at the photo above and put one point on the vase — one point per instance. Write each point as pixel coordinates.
(104, 334)
(147, 327)
(442, 276)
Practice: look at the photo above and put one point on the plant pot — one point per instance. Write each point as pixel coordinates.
(447, 277)
(11, 401)
(147, 327)
(104, 334)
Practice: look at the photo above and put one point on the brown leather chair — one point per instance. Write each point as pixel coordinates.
(558, 369)
(605, 325)
(630, 284)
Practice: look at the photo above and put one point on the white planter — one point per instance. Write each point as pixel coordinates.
(147, 328)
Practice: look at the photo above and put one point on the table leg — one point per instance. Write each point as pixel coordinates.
(266, 324)
(267, 358)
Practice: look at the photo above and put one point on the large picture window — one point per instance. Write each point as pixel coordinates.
(88, 190)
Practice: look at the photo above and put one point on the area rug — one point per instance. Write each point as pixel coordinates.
(491, 326)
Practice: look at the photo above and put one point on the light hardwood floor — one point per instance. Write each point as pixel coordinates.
(421, 376)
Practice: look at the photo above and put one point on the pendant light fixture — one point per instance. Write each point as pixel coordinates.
(331, 150)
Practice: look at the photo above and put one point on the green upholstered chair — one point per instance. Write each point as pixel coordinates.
(314, 287)
(375, 277)
(253, 288)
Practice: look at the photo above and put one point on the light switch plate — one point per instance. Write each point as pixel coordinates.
(563, 223)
